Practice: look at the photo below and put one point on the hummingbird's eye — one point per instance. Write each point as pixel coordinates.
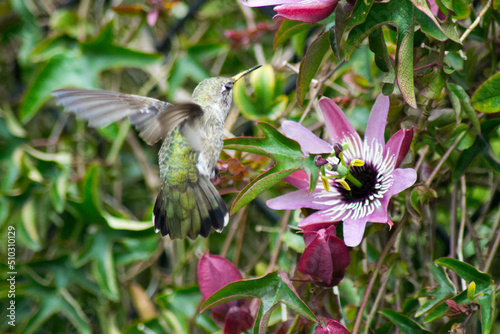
(228, 86)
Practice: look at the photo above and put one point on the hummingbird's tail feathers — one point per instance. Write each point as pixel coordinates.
(189, 213)
(153, 118)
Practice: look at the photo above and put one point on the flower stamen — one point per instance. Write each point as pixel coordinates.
(344, 184)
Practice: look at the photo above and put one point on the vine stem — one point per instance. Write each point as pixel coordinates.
(375, 273)
(443, 159)
(319, 86)
(476, 21)
(493, 251)
(274, 256)
(461, 231)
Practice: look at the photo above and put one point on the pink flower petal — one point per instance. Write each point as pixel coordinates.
(377, 119)
(336, 122)
(380, 213)
(399, 144)
(325, 256)
(295, 200)
(353, 231)
(298, 179)
(403, 178)
(316, 260)
(265, 3)
(309, 142)
(329, 326)
(215, 272)
(308, 11)
(238, 320)
(316, 218)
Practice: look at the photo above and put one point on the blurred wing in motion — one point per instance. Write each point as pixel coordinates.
(153, 118)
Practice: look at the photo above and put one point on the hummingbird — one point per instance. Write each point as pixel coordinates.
(187, 204)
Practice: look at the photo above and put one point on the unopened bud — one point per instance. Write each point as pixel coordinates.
(337, 147)
(320, 161)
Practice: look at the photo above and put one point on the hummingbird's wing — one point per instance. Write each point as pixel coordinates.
(153, 118)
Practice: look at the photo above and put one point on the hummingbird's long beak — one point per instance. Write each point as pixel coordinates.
(242, 74)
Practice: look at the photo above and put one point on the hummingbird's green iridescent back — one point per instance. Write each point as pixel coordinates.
(187, 204)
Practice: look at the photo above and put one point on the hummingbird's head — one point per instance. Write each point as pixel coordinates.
(218, 91)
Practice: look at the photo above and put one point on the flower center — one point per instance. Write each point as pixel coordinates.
(367, 175)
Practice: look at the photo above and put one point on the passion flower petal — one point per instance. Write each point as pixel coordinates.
(309, 11)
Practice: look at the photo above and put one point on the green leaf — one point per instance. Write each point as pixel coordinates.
(263, 81)
(360, 12)
(288, 29)
(487, 97)
(272, 289)
(310, 64)
(284, 151)
(432, 84)
(54, 301)
(404, 71)
(80, 68)
(465, 102)
(403, 322)
(485, 287)
(180, 306)
(382, 59)
(263, 104)
(444, 291)
(460, 8)
(466, 271)
(337, 31)
(398, 13)
(430, 25)
(481, 146)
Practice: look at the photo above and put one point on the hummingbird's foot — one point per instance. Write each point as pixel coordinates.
(215, 179)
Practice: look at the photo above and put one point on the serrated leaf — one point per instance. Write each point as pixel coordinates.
(487, 97)
(444, 290)
(403, 322)
(484, 289)
(310, 64)
(272, 289)
(284, 151)
(54, 301)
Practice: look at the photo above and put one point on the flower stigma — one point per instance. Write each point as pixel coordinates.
(336, 163)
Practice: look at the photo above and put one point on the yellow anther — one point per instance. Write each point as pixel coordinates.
(326, 184)
(343, 184)
(357, 163)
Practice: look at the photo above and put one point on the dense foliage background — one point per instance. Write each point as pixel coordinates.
(80, 199)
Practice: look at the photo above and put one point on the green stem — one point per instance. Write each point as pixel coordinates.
(353, 180)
